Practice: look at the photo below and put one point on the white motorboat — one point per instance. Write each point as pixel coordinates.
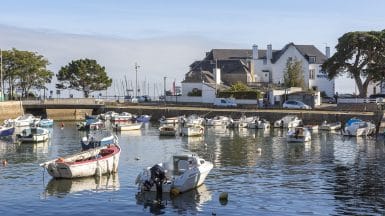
(259, 123)
(24, 120)
(218, 121)
(184, 173)
(128, 126)
(289, 121)
(358, 127)
(108, 115)
(122, 117)
(167, 130)
(92, 162)
(330, 126)
(243, 122)
(192, 120)
(193, 130)
(33, 134)
(170, 120)
(298, 134)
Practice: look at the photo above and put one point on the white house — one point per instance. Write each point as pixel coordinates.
(269, 65)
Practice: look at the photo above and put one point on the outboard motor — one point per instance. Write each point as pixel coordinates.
(158, 176)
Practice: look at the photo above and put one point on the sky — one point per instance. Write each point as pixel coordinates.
(165, 37)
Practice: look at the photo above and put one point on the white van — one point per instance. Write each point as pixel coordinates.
(225, 102)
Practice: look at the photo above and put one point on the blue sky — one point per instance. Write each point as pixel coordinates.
(164, 37)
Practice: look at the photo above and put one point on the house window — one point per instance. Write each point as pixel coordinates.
(290, 59)
(312, 59)
(312, 74)
(264, 61)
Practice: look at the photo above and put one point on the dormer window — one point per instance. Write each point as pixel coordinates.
(312, 59)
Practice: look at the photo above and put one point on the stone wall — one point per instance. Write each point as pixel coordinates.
(10, 109)
(68, 114)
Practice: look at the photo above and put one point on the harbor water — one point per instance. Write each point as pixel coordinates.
(260, 171)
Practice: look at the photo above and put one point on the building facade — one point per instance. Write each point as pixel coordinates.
(266, 66)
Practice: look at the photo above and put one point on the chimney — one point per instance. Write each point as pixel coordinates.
(269, 52)
(327, 52)
(255, 52)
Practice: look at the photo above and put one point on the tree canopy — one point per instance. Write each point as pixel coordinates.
(238, 87)
(293, 76)
(361, 56)
(25, 70)
(83, 75)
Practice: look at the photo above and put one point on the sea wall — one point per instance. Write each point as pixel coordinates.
(68, 114)
(10, 109)
(308, 116)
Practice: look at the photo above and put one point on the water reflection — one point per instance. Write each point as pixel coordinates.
(62, 187)
(189, 202)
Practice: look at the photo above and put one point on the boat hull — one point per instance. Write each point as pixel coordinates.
(105, 165)
(7, 131)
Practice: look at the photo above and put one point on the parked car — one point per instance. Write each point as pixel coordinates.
(225, 102)
(328, 100)
(291, 104)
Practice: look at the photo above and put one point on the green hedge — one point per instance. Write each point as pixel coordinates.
(240, 94)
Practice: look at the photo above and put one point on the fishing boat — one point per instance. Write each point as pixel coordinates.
(183, 173)
(167, 130)
(97, 139)
(6, 130)
(289, 121)
(92, 162)
(298, 134)
(193, 130)
(259, 123)
(90, 124)
(330, 126)
(358, 127)
(128, 126)
(45, 123)
(33, 134)
(143, 118)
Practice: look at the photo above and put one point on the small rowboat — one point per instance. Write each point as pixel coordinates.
(93, 162)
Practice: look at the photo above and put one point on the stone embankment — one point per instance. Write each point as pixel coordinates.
(10, 109)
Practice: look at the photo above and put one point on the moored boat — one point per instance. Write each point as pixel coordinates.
(183, 173)
(98, 139)
(311, 127)
(92, 162)
(330, 126)
(192, 130)
(298, 134)
(128, 126)
(167, 130)
(33, 134)
(169, 120)
(143, 118)
(45, 123)
(6, 130)
(288, 121)
(358, 127)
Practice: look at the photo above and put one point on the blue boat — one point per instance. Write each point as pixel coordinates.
(46, 123)
(143, 118)
(97, 139)
(6, 131)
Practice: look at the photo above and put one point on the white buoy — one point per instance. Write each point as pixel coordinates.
(259, 150)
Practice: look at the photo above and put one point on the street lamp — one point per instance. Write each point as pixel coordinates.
(164, 86)
(136, 79)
